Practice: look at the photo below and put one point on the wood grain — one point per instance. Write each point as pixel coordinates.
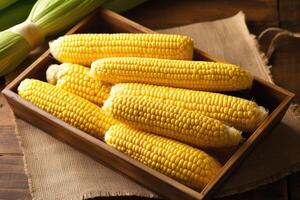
(157, 14)
(285, 62)
(8, 141)
(274, 191)
(289, 14)
(170, 13)
(13, 180)
(272, 97)
(294, 186)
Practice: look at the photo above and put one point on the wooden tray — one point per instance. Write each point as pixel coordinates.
(274, 98)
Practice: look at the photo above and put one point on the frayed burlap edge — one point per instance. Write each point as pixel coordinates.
(79, 196)
(295, 109)
(248, 187)
(19, 138)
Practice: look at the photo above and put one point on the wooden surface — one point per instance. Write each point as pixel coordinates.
(268, 95)
(162, 14)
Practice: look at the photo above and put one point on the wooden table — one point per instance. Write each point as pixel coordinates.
(162, 14)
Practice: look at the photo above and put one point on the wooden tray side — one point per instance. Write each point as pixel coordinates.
(274, 98)
(247, 147)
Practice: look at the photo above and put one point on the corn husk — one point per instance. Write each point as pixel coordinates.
(51, 17)
(15, 13)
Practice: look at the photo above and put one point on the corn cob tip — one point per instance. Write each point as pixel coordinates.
(107, 103)
(259, 116)
(107, 134)
(92, 72)
(23, 85)
(115, 89)
(54, 47)
(235, 136)
(51, 74)
(249, 78)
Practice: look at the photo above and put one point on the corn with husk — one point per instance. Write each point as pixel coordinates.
(46, 18)
(15, 13)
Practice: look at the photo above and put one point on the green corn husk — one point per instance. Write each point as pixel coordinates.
(6, 3)
(120, 6)
(51, 16)
(15, 13)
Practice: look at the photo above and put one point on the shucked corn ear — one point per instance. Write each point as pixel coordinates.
(66, 106)
(75, 79)
(242, 114)
(86, 48)
(184, 163)
(171, 121)
(201, 75)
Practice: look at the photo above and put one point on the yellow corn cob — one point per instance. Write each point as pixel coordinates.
(66, 106)
(75, 79)
(184, 163)
(240, 113)
(170, 121)
(208, 76)
(86, 48)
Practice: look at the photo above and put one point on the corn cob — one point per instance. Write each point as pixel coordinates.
(201, 75)
(184, 163)
(75, 79)
(242, 114)
(66, 106)
(170, 121)
(86, 48)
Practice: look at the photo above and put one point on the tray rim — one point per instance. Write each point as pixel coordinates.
(229, 165)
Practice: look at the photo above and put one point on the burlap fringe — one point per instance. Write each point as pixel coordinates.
(263, 57)
(295, 107)
(248, 187)
(29, 178)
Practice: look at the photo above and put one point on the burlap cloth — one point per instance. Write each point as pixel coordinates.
(57, 171)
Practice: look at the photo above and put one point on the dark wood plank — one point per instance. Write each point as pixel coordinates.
(6, 114)
(285, 64)
(15, 194)
(274, 191)
(272, 95)
(294, 186)
(166, 14)
(13, 180)
(286, 58)
(289, 14)
(8, 140)
(124, 198)
(157, 14)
